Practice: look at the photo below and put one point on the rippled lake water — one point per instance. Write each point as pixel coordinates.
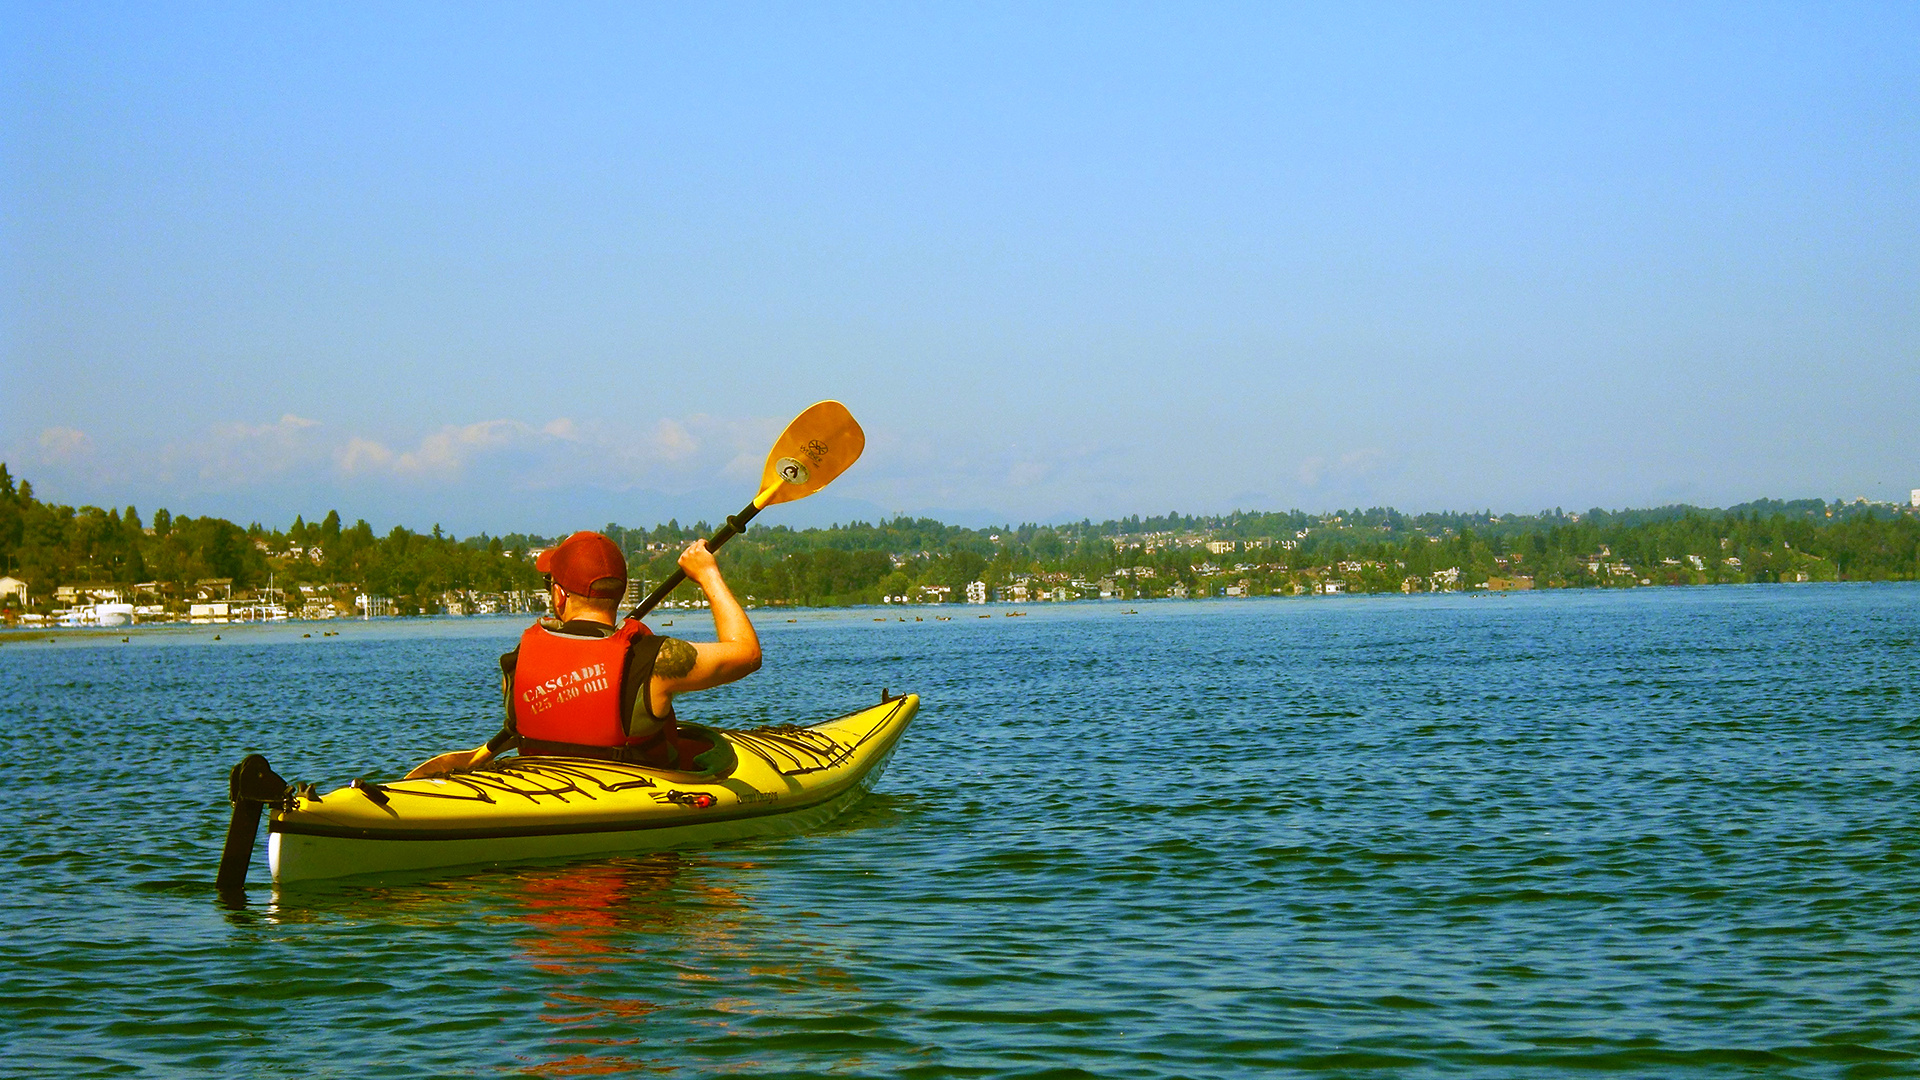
(1654, 833)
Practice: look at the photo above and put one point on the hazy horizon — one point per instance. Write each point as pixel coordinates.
(828, 511)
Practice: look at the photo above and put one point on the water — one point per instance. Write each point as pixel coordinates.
(1659, 833)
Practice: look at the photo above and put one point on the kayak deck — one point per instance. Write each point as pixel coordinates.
(776, 780)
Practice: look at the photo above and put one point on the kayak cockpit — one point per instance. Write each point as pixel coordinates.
(705, 756)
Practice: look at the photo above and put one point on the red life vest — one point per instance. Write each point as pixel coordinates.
(567, 689)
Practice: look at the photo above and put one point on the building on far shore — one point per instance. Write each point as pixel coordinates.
(14, 587)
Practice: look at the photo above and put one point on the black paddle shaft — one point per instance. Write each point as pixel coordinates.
(735, 525)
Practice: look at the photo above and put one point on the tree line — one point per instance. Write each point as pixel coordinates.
(175, 556)
(1361, 550)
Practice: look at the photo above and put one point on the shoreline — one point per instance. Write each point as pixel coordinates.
(928, 612)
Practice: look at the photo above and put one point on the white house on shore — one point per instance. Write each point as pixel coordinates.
(13, 587)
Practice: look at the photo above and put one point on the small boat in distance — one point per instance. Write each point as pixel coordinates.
(102, 614)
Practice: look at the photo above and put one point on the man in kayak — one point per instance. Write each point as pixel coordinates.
(580, 686)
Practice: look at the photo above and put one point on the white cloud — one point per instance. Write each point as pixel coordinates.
(444, 453)
(61, 444)
(668, 454)
(1031, 475)
(284, 429)
(672, 440)
(675, 453)
(491, 461)
(241, 453)
(362, 455)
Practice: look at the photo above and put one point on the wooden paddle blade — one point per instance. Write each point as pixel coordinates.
(819, 445)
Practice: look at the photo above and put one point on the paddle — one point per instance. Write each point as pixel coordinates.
(818, 446)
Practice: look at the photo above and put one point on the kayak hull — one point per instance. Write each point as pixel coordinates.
(782, 781)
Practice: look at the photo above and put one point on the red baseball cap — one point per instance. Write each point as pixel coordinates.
(586, 564)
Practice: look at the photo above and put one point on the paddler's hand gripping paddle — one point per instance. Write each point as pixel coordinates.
(817, 447)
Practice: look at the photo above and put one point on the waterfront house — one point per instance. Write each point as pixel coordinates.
(80, 594)
(212, 611)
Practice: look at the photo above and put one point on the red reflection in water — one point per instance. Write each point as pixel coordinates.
(591, 913)
(592, 1065)
(590, 917)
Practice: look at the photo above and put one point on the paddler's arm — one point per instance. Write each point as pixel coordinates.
(686, 666)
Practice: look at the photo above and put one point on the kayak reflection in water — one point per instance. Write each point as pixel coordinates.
(585, 913)
(580, 686)
(614, 943)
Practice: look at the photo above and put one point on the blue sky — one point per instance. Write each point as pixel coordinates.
(537, 268)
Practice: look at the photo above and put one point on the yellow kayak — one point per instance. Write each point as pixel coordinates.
(775, 780)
